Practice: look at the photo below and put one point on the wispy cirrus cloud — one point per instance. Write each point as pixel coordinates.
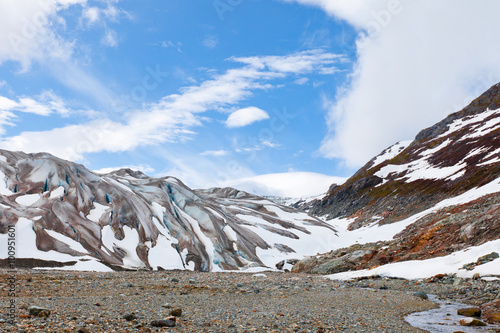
(37, 32)
(211, 41)
(45, 104)
(173, 117)
(216, 153)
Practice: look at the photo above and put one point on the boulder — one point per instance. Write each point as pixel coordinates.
(469, 312)
(493, 318)
(471, 322)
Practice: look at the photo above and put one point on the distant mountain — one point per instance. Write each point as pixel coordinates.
(66, 215)
(434, 196)
(286, 185)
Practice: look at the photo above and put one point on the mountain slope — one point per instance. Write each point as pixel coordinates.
(63, 213)
(457, 154)
(432, 197)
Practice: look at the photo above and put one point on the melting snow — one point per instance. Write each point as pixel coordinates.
(420, 269)
(424, 268)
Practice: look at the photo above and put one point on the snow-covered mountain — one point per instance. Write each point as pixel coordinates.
(64, 213)
(436, 197)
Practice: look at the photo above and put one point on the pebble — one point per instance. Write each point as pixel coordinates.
(176, 312)
(39, 311)
(130, 317)
(421, 294)
(163, 323)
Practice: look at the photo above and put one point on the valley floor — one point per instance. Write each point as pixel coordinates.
(212, 302)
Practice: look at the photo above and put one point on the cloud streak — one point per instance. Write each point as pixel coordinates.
(45, 104)
(172, 118)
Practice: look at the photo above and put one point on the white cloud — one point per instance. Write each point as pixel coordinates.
(245, 117)
(95, 15)
(45, 104)
(215, 153)
(421, 61)
(167, 44)
(301, 81)
(211, 41)
(110, 38)
(291, 184)
(356, 12)
(170, 119)
(91, 15)
(270, 144)
(29, 30)
(300, 62)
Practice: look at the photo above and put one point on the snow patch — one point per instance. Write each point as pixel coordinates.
(27, 199)
(391, 152)
(421, 269)
(58, 192)
(96, 213)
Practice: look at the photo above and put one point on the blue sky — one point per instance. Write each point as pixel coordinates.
(211, 91)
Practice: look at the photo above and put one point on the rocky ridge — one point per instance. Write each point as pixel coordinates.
(65, 214)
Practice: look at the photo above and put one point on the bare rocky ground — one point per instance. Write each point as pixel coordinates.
(210, 302)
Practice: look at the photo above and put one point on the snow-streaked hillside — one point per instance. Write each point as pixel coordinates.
(62, 212)
(423, 207)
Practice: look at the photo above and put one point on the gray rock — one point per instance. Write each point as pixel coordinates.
(163, 323)
(130, 317)
(421, 294)
(176, 312)
(39, 311)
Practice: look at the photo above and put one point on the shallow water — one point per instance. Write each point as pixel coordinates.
(444, 319)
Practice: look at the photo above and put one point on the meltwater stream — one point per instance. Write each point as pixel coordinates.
(445, 319)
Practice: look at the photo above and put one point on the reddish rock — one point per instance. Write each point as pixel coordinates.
(471, 322)
(469, 312)
(495, 304)
(493, 318)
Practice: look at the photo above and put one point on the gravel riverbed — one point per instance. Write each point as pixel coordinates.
(211, 302)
